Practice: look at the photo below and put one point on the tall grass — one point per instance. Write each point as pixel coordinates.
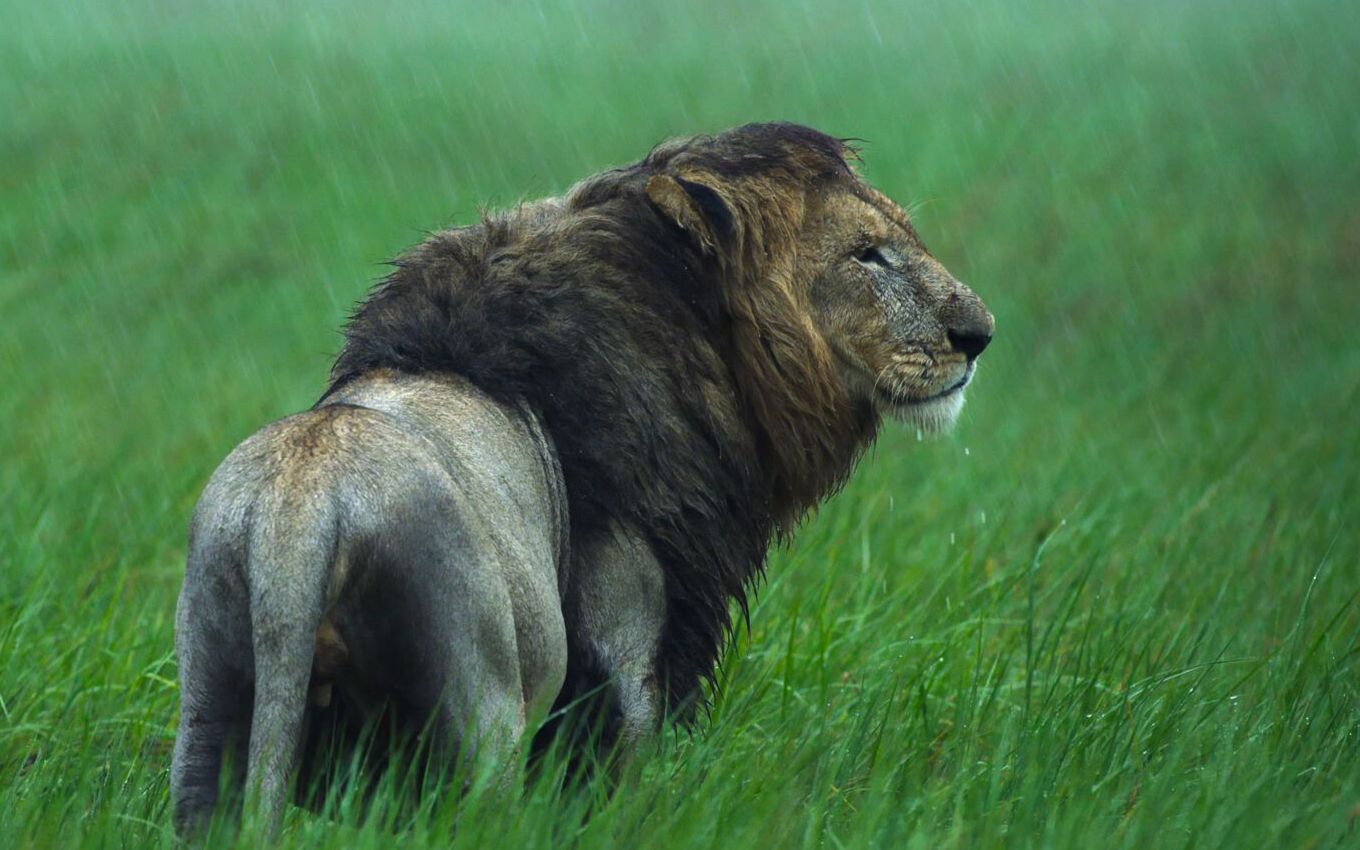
(1118, 607)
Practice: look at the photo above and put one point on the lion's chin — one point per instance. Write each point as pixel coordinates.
(934, 416)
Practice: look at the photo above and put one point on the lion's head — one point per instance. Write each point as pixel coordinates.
(904, 332)
(836, 301)
(709, 336)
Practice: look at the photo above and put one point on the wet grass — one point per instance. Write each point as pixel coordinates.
(1118, 607)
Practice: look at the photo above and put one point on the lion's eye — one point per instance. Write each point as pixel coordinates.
(871, 256)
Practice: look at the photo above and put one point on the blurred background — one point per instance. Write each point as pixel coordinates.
(1118, 607)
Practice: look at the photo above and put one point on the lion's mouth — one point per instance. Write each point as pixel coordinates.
(908, 401)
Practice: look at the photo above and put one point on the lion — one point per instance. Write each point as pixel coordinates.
(552, 455)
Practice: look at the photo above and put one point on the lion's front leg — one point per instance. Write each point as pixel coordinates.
(617, 607)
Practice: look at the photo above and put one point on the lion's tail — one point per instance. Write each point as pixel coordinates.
(287, 575)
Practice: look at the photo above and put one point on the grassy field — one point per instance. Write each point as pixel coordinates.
(1117, 608)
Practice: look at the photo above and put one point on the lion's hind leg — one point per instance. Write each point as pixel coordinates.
(213, 648)
(210, 748)
(261, 543)
(457, 646)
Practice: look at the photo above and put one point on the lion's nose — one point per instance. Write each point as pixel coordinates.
(971, 343)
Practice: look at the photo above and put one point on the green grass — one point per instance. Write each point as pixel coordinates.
(1117, 608)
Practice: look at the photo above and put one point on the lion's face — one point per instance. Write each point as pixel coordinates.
(832, 296)
(905, 333)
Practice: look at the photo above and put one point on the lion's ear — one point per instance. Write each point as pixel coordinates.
(696, 208)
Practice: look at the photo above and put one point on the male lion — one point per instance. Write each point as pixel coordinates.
(554, 450)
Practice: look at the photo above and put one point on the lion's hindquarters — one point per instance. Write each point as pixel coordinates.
(340, 524)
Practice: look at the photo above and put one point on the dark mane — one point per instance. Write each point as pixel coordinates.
(687, 396)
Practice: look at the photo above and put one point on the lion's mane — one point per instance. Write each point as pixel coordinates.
(685, 389)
